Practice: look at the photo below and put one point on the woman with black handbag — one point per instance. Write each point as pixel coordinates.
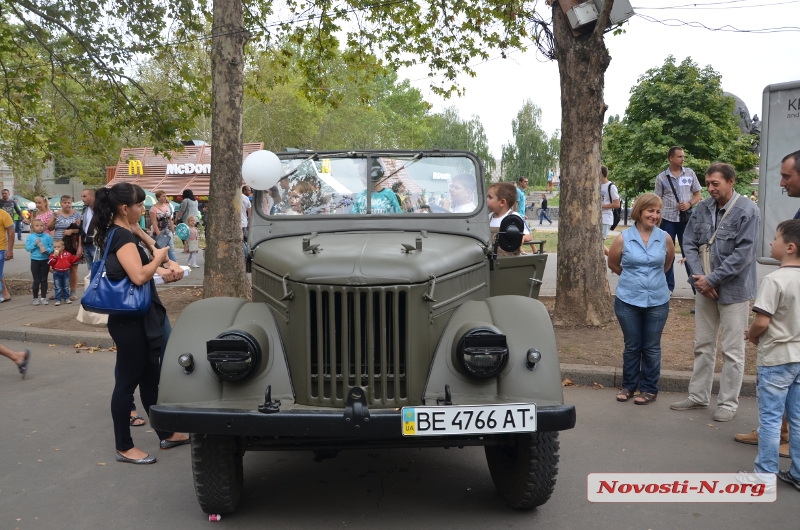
(139, 339)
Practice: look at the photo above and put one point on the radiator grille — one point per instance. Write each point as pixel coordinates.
(358, 338)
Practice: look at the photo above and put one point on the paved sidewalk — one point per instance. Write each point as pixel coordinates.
(22, 321)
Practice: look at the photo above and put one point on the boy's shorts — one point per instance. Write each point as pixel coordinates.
(2, 262)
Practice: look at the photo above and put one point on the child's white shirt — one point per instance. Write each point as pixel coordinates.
(494, 222)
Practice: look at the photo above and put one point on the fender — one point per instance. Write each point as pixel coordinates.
(526, 324)
(204, 320)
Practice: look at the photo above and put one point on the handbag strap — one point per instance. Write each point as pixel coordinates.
(723, 218)
(108, 245)
(102, 262)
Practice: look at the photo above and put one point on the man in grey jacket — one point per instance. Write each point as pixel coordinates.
(724, 292)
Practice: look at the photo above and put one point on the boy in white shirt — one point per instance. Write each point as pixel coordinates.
(776, 331)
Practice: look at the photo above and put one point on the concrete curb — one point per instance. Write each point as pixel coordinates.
(55, 336)
(671, 380)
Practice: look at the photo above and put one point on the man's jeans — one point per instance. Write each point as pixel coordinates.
(778, 389)
(641, 329)
(731, 320)
(89, 255)
(61, 283)
(675, 229)
(543, 215)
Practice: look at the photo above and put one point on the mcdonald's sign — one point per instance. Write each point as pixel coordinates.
(135, 167)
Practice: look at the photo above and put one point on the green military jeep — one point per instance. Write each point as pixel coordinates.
(381, 316)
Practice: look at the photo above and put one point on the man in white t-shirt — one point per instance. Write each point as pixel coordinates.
(609, 200)
(246, 208)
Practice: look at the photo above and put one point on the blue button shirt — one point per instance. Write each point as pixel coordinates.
(642, 282)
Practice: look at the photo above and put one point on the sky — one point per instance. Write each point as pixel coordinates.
(747, 61)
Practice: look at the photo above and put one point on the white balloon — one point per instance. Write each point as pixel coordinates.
(31, 206)
(261, 170)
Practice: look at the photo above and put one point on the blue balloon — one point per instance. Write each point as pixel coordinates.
(182, 231)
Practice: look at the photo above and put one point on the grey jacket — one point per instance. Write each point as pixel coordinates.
(733, 253)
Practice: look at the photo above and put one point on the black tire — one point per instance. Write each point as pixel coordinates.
(524, 469)
(217, 470)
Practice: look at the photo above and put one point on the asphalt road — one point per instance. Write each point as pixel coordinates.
(57, 468)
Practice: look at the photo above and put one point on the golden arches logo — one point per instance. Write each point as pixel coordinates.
(135, 167)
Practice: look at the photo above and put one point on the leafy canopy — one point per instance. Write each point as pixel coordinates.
(676, 104)
(533, 153)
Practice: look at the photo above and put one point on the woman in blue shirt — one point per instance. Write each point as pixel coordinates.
(640, 255)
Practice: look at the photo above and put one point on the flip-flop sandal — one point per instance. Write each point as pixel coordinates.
(645, 398)
(23, 366)
(624, 395)
(134, 419)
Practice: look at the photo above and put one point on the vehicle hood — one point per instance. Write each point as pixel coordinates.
(368, 258)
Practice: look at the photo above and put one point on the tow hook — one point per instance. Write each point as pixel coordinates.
(356, 411)
(269, 406)
(448, 397)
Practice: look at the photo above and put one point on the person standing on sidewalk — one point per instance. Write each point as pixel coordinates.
(723, 290)
(639, 256)
(87, 250)
(40, 245)
(790, 182)
(776, 332)
(6, 251)
(609, 201)
(12, 208)
(685, 195)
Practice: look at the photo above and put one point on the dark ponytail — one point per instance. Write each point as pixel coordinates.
(108, 201)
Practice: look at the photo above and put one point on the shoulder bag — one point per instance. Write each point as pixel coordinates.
(109, 297)
(684, 215)
(705, 250)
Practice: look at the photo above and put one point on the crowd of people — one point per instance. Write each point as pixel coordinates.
(717, 236)
(60, 240)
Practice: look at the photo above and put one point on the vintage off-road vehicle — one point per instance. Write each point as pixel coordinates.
(381, 317)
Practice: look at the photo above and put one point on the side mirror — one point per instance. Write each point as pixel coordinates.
(512, 229)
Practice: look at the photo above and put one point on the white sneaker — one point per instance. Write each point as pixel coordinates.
(68, 301)
(768, 479)
(36, 301)
(58, 302)
(44, 301)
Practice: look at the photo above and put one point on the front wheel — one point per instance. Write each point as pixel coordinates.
(217, 470)
(524, 468)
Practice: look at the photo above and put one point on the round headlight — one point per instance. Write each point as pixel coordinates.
(482, 352)
(234, 355)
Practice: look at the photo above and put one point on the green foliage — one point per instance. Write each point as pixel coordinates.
(70, 83)
(366, 113)
(533, 153)
(447, 130)
(676, 104)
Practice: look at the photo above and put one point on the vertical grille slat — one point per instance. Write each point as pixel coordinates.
(358, 337)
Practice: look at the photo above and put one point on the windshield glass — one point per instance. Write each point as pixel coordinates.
(350, 184)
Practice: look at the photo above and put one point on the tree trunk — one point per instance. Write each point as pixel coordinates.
(582, 292)
(224, 268)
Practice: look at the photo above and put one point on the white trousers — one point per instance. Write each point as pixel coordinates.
(730, 321)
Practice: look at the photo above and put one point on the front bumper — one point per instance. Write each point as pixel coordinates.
(297, 424)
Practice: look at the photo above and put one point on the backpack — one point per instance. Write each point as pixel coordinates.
(616, 211)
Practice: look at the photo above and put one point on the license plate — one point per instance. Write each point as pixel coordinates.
(479, 419)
